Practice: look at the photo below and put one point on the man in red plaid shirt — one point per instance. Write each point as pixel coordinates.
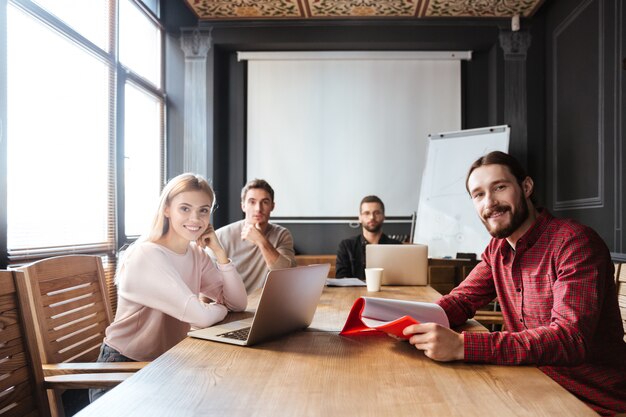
(554, 281)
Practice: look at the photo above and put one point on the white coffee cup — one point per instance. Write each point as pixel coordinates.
(373, 278)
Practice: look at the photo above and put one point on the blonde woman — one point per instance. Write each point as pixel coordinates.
(163, 274)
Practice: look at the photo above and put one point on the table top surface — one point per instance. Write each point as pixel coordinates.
(317, 372)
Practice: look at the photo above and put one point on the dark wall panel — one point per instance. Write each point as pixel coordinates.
(620, 132)
(585, 112)
(324, 238)
(577, 110)
(229, 136)
(536, 84)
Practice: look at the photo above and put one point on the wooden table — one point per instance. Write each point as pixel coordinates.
(319, 373)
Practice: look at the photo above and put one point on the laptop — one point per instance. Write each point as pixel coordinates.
(403, 264)
(287, 303)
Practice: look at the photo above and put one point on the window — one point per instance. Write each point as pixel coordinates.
(140, 53)
(140, 41)
(81, 124)
(88, 18)
(58, 139)
(142, 153)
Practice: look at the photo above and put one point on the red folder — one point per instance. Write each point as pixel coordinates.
(390, 316)
(354, 323)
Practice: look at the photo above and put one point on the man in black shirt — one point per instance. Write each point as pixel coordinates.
(351, 252)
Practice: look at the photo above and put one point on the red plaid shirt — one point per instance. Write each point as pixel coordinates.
(559, 304)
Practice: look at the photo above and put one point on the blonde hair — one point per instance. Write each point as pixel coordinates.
(160, 224)
(177, 185)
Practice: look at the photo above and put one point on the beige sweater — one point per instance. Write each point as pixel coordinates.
(158, 298)
(248, 258)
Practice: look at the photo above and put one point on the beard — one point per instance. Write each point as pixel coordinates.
(373, 229)
(519, 216)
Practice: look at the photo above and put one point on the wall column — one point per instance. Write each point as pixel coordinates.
(515, 44)
(196, 44)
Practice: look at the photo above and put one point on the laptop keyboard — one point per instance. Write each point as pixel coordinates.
(241, 334)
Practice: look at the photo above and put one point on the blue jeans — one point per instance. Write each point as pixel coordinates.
(107, 354)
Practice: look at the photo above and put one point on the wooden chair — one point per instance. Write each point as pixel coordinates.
(21, 383)
(620, 284)
(490, 318)
(70, 312)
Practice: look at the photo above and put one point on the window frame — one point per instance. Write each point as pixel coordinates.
(119, 76)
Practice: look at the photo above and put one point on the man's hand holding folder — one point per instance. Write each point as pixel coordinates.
(391, 316)
(425, 325)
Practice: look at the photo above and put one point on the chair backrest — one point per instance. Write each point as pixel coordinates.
(70, 306)
(21, 378)
(620, 281)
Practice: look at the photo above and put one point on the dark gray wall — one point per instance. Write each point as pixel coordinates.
(484, 86)
(175, 14)
(483, 81)
(585, 88)
(323, 238)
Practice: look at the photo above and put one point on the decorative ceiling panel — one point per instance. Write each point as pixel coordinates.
(363, 8)
(338, 9)
(246, 9)
(481, 8)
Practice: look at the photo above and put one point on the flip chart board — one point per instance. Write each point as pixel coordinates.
(446, 219)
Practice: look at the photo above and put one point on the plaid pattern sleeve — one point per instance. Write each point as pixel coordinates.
(558, 300)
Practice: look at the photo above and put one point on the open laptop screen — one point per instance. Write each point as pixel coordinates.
(403, 264)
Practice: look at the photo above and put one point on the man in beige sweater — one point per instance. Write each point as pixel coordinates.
(255, 245)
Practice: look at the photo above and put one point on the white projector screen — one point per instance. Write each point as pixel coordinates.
(326, 132)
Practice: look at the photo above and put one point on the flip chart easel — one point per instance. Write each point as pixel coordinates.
(446, 220)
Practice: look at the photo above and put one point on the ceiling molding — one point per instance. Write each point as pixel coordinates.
(214, 10)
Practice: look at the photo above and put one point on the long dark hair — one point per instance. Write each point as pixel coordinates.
(499, 158)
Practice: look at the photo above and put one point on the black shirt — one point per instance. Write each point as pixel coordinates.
(351, 256)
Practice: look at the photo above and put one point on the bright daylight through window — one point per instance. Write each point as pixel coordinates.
(57, 133)
(67, 92)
